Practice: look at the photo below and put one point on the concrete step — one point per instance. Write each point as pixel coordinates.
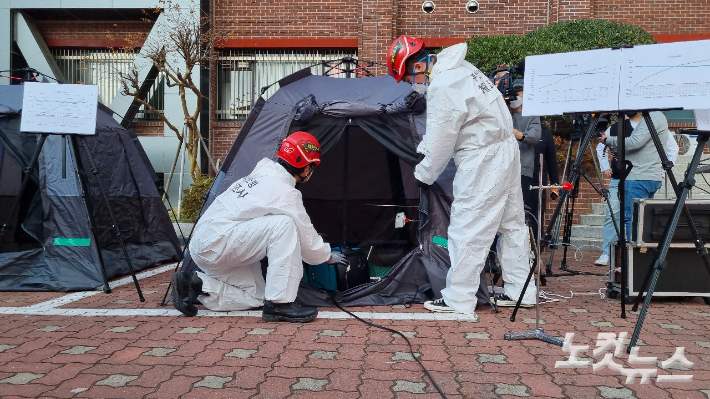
(586, 231)
(592, 219)
(599, 209)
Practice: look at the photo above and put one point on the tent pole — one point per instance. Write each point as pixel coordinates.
(345, 188)
(28, 172)
(207, 152)
(92, 226)
(115, 228)
(182, 178)
(172, 170)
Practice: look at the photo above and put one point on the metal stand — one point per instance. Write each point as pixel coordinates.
(567, 198)
(114, 226)
(659, 262)
(537, 333)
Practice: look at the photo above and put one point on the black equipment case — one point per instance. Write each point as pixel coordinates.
(340, 276)
(651, 216)
(685, 274)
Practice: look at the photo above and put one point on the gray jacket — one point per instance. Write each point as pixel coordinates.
(641, 151)
(531, 128)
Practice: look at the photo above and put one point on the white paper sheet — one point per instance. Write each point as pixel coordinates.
(581, 81)
(665, 76)
(702, 119)
(649, 77)
(59, 108)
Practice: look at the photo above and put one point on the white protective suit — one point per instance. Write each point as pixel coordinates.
(467, 117)
(259, 215)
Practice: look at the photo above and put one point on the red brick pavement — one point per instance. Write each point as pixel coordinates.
(243, 357)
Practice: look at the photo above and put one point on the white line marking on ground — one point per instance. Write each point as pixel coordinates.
(248, 313)
(51, 307)
(76, 296)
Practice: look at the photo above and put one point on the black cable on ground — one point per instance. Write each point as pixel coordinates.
(411, 349)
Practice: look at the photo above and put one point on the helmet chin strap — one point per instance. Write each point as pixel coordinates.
(427, 72)
(305, 179)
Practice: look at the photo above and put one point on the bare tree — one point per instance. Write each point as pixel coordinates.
(185, 40)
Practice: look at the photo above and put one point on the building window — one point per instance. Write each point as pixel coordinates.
(242, 74)
(103, 68)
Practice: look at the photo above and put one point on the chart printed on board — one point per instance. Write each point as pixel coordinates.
(59, 108)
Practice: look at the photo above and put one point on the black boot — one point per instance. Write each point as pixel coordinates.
(181, 294)
(291, 312)
(195, 283)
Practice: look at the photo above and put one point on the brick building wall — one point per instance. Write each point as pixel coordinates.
(369, 26)
(657, 17)
(148, 128)
(285, 19)
(93, 34)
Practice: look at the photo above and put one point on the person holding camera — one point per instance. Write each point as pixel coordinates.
(610, 171)
(646, 175)
(260, 215)
(468, 117)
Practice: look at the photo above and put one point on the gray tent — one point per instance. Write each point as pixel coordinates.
(368, 128)
(51, 246)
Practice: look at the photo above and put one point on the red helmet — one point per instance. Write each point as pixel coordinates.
(300, 149)
(401, 49)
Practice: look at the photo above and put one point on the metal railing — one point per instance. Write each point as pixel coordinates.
(103, 68)
(241, 74)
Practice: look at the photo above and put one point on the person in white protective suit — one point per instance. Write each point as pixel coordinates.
(468, 118)
(260, 215)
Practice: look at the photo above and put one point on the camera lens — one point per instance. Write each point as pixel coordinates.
(428, 7)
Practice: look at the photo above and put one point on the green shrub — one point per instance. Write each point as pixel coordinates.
(487, 52)
(193, 198)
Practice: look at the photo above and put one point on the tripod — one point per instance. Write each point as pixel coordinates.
(537, 333)
(567, 200)
(682, 192)
(84, 193)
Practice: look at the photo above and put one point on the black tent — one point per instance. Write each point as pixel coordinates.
(51, 246)
(369, 129)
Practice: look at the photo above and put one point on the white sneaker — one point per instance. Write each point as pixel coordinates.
(602, 261)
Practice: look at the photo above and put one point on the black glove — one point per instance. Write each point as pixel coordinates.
(421, 184)
(554, 194)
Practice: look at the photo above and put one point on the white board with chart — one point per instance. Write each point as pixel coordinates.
(571, 82)
(668, 75)
(59, 108)
(649, 77)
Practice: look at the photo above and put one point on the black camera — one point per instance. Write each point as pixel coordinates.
(509, 81)
(581, 123)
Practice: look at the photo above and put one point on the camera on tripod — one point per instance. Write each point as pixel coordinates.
(509, 81)
(581, 122)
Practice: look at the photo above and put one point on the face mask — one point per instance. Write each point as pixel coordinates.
(516, 103)
(419, 88)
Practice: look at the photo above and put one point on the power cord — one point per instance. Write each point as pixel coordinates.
(550, 297)
(411, 349)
